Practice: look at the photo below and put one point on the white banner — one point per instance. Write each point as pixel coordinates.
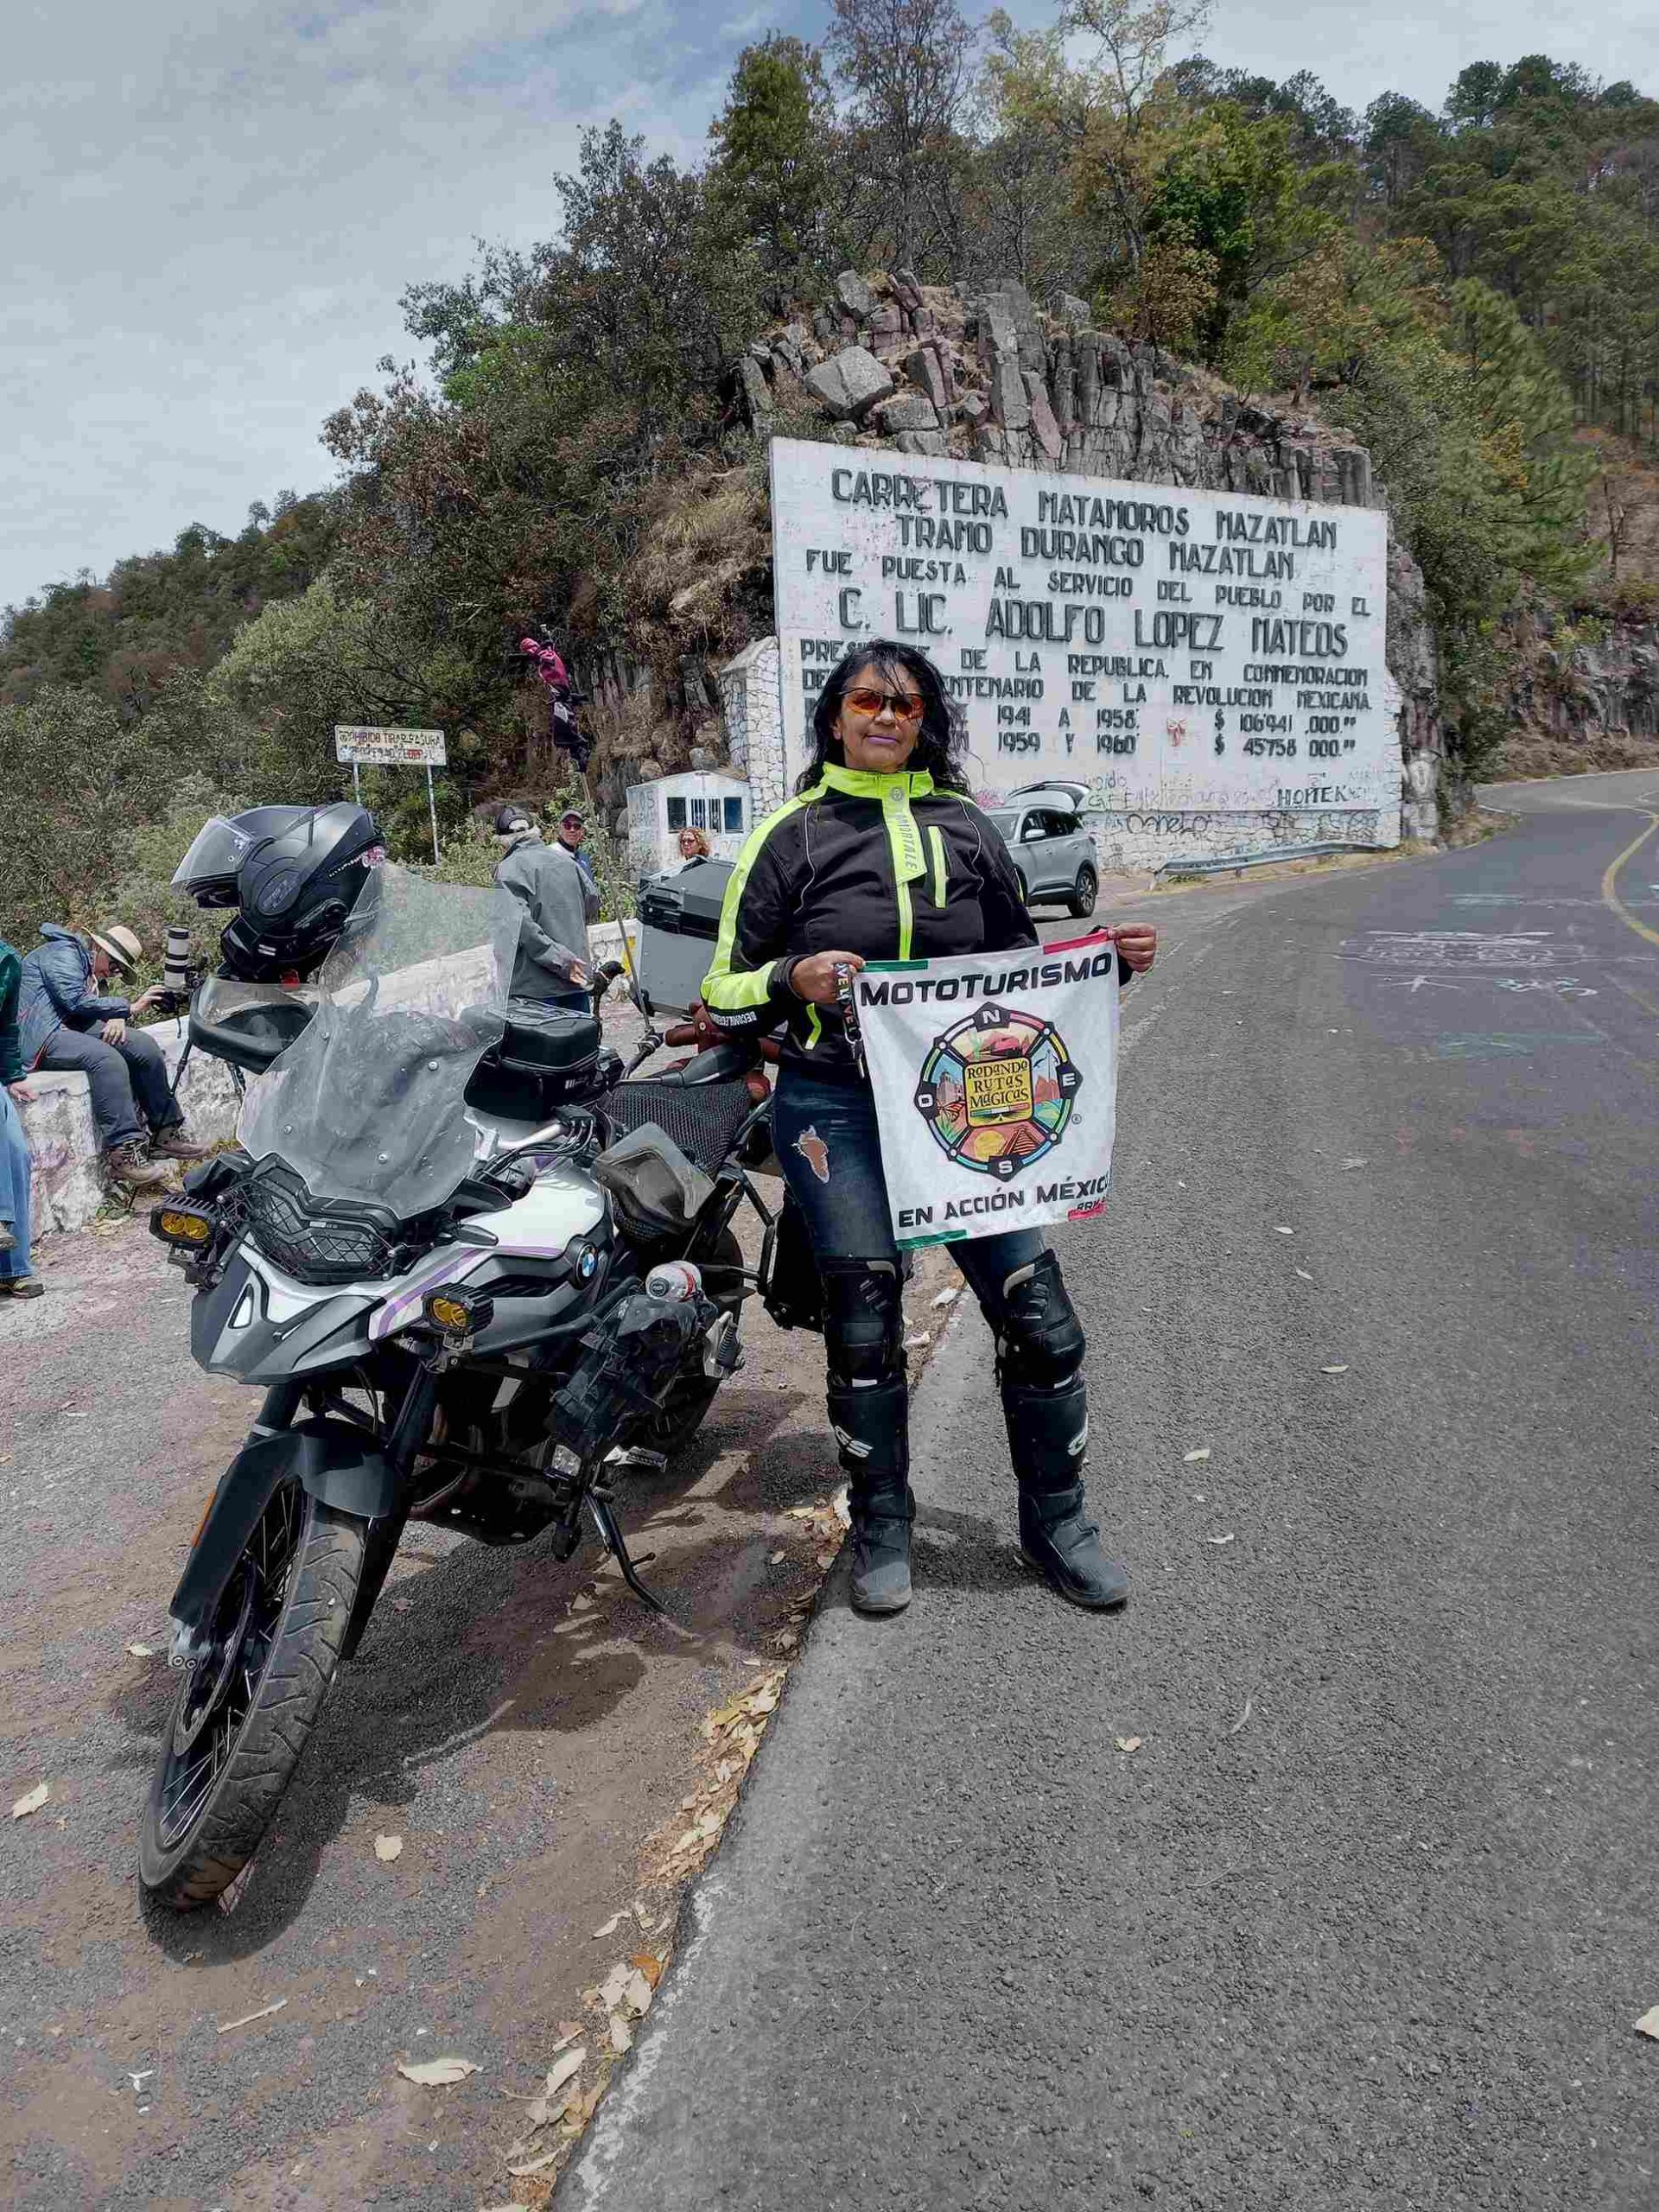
(1177, 650)
(995, 1083)
(389, 748)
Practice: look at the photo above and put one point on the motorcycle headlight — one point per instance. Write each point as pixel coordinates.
(457, 1312)
(189, 1227)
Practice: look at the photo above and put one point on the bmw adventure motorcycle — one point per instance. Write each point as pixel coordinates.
(476, 1271)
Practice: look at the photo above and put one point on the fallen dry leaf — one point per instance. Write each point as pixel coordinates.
(1649, 2024)
(388, 1847)
(141, 1650)
(1202, 1453)
(637, 1995)
(1227, 1539)
(534, 2165)
(1249, 1707)
(611, 1990)
(949, 1295)
(777, 1559)
(1341, 1369)
(1280, 1230)
(32, 1802)
(1128, 1743)
(1304, 1275)
(611, 1925)
(437, 2072)
(248, 2019)
(650, 1967)
(916, 1342)
(1356, 1163)
(621, 2035)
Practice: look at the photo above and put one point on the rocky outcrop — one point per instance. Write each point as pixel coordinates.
(1594, 677)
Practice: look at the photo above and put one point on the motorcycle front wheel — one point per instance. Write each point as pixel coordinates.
(250, 1702)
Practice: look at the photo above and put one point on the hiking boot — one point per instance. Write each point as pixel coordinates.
(171, 1143)
(130, 1168)
(21, 1286)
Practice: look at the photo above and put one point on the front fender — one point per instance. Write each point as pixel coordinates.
(336, 1463)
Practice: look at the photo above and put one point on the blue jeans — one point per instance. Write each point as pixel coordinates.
(828, 1145)
(15, 1168)
(116, 1075)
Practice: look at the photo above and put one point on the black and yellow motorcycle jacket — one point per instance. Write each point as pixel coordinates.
(879, 864)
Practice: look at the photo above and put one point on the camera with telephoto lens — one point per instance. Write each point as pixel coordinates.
(179, 976)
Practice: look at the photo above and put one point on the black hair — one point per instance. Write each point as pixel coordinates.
(943, 739)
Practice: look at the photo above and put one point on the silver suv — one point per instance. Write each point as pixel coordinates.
(1053, 854)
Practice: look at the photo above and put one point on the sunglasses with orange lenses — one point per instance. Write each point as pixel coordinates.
(907, 706)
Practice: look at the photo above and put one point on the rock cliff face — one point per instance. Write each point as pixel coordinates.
(891, 364)
(1582, 695)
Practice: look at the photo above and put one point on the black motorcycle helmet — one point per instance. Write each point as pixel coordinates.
(297, 876)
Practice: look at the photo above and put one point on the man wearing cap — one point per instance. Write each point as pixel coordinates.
(559, 901)
(66, 1022)
(17, 1279)
(572, 830)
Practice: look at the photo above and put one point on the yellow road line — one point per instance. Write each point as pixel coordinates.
(1610, 880)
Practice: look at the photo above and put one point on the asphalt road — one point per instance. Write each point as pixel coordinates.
(1368, 1916)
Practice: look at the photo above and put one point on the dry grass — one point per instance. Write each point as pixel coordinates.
(703, 534)
(1531, 753)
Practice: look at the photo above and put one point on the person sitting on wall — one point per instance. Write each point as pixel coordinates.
(558, 901)
(17, 1280)
(67, 1024)
(694, 847)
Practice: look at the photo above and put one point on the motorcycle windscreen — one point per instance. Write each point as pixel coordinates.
(370, 1102)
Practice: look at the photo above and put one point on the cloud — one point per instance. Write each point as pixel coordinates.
(217, 212)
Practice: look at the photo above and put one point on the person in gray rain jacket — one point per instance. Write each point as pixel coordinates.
(559, 900)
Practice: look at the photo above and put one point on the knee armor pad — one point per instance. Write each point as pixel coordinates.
(1040, 1339)
(864, 1321)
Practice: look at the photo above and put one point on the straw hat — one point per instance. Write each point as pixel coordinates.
(122, 947)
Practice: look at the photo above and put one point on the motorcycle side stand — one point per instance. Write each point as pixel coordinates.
(599, 1504)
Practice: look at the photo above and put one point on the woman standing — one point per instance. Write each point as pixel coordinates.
(882, 855)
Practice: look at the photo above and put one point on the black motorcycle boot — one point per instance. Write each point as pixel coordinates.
(1048, 1431)
(872, 1430)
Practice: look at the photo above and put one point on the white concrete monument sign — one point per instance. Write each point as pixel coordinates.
(1179, 651)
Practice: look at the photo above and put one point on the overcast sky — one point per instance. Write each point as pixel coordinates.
(213, 209)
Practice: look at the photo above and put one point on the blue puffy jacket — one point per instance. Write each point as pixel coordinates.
(56, 987)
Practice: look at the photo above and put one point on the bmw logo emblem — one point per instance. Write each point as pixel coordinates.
(587, 1262)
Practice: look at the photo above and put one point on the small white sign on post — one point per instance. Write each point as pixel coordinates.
(393, 748)
(389, 749)
(996, 1084)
